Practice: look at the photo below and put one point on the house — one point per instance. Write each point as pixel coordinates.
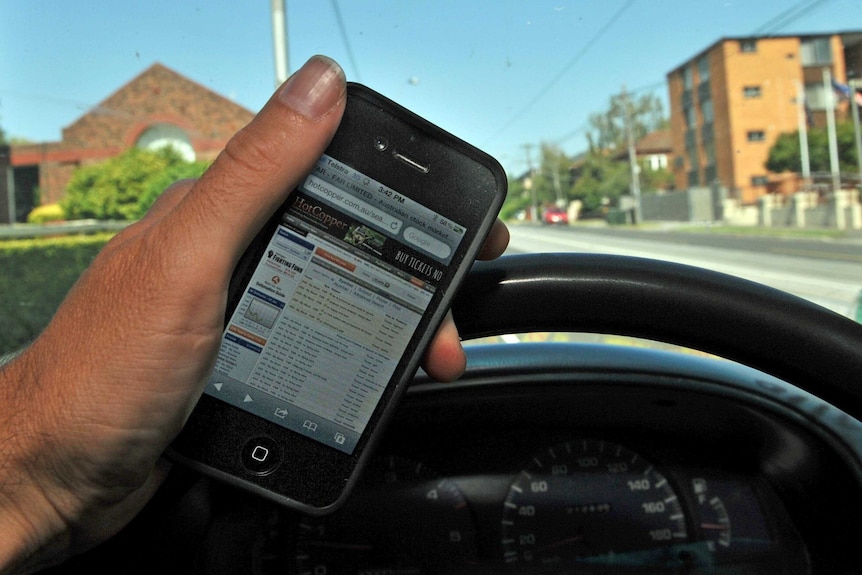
(159, 107)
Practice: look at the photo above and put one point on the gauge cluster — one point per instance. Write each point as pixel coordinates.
(586, 471)
(580, 505)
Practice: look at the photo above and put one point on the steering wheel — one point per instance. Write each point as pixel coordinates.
(767, 329)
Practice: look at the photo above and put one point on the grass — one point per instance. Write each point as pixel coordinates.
(36, 275)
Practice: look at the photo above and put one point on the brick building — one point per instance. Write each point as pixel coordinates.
(157, 108)
(730, 102)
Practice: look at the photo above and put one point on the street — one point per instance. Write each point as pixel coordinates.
(827, 272)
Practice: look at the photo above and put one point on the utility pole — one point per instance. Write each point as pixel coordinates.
(534, 210)
(278, 8)
(633, 158)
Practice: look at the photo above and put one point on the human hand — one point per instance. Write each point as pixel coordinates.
(87, 410)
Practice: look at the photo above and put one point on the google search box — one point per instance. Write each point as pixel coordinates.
(353, 206)
(425, 242)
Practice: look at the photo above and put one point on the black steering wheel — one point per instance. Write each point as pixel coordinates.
(764, 328)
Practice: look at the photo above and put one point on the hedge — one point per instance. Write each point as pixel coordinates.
(36, 275)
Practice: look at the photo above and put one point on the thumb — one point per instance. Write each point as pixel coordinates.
(264, 161)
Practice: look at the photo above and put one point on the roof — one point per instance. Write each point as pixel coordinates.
(849, 37)
(658, 142)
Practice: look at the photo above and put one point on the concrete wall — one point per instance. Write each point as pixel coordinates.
(841, 210)
(701, 204)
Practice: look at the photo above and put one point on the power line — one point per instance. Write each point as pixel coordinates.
(778, 22)
(788, 17)
(559, 76)
(343, 30)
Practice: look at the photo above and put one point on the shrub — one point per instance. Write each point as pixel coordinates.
(37, 274)
(160, 182)
(46, 213)
(112, 190)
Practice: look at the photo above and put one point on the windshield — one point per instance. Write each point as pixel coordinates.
(719, 134)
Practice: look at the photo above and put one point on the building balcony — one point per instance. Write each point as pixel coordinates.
(690, 138)
(704, 91)
(687, 99)
(710, 174)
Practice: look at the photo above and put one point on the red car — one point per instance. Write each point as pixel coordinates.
(555, 215)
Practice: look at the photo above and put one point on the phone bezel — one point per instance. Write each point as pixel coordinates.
(313, 477)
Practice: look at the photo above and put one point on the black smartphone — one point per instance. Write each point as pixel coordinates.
(333, 304)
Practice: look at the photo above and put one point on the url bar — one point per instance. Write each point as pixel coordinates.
(355, 207)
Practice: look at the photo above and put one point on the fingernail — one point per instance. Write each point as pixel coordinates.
(315, 88)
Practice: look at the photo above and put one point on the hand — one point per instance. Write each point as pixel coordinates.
(87, 410)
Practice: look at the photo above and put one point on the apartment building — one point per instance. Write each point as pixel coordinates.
(730, 102)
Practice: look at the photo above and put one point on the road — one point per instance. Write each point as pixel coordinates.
(826, 272)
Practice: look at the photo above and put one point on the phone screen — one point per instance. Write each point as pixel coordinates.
(332, 304)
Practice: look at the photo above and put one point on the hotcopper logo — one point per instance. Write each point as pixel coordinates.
(318, 213)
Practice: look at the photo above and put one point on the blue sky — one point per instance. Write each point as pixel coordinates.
(499, 74)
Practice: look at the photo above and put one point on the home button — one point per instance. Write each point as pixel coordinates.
(261, 455)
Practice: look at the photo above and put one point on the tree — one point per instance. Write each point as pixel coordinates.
(121, 188)
(601, 182)
(608, 129)
(552, 180)
(785, 156)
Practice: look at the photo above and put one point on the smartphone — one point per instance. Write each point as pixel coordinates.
(333, 304)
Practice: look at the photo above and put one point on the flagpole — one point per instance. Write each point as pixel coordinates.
(830, 126)
(803, 134)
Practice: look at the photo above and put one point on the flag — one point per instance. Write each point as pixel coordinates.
(844, 91)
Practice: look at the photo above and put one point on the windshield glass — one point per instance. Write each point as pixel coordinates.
(718, 134)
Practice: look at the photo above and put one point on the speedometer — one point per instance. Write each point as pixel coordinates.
(588, 502)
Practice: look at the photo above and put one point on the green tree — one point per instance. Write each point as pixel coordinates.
(607, 129)
(121, 188)
(785, 156)
(602, 181)
(552, 181)
(652, 180)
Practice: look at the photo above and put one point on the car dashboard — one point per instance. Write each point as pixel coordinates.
(548, 458)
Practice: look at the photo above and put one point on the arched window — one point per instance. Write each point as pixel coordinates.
(160, 136)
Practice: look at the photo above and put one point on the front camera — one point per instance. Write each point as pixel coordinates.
(380, 143)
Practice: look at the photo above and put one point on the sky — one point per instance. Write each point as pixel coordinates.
(505, 75)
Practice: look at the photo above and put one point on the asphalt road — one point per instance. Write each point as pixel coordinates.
(828, 272)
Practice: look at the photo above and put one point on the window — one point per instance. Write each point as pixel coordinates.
(687, 78)
(709, 152)
(751, 92)
(748, 46)
(703, 69)
(815, 51)
(159, 136)
(756, 135)
(707, 111)
(656, 162)
(759, 180)
(690, 117)
(693, 159)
